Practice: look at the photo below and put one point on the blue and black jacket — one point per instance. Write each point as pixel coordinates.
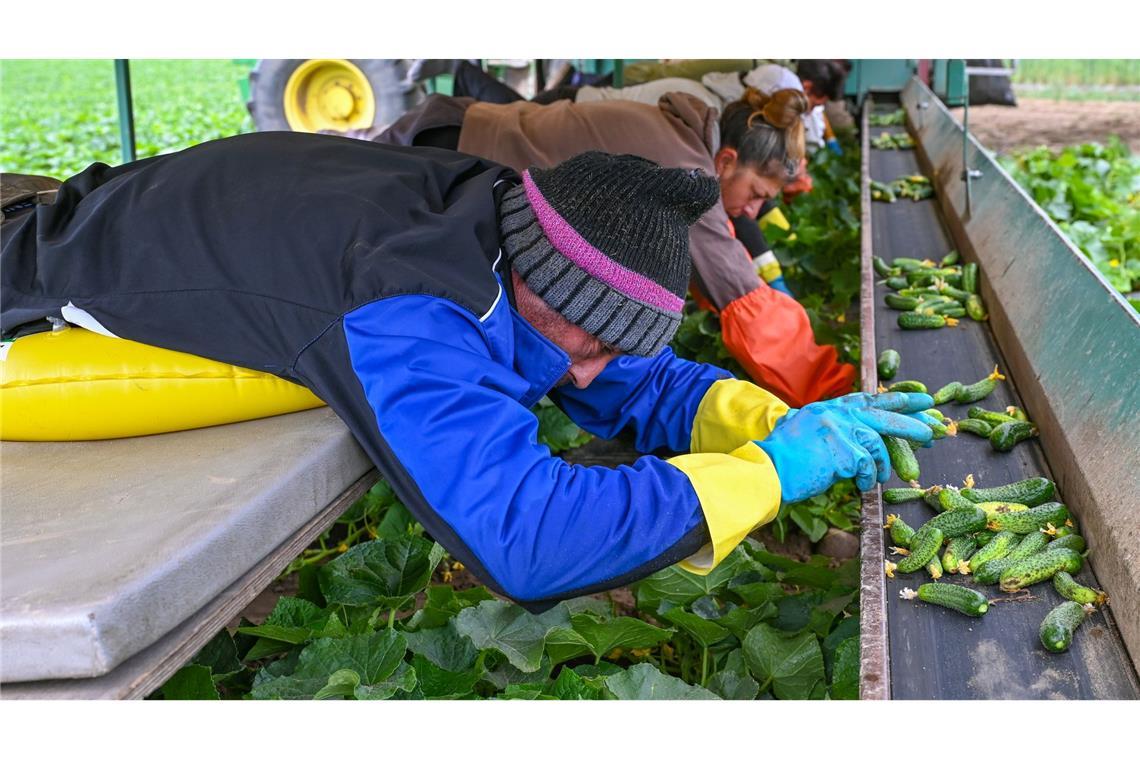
(372, 275)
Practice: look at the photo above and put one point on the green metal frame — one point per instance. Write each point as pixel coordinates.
(126, 109)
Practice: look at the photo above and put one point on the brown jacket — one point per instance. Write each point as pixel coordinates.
(680, 131)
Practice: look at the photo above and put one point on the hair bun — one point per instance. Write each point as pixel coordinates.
(782, 108)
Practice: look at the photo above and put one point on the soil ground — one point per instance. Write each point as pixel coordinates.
(1055, 123)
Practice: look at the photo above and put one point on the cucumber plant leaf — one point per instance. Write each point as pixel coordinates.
(643, 681)
(381, 573)
(374, 657)
(435, 682)
(682, 587)
(845, 676)
(706, 632)
(603, 636)
(191, 682)
(443, 646)
(792, 667)
(728, 684)
(511, 630)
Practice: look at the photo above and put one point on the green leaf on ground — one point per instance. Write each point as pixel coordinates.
(731, 685)
(439, 683)
(191, 682)
(706, 632)
(791, 666)
(845, 676)
(380, 573)
(510, 629)
(374, 657)
(643, 681)
(603, 636)
(443, 646)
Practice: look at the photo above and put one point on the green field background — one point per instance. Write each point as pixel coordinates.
(59, 116)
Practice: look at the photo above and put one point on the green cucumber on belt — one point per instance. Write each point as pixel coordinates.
(958, 295)
(936, 414)
(1039, 567)
(923, 547)
(949, 595)
(925, 294)
(979, 390)
(979, 428)
(1030, 545)
(975, 308)
(901, 302)
(1030, 520)
(910, 320)
(970, 277)
(899, 495)
(1008, 434)
(896, 283)
(958, 522)
(1031, 492)
(882, 268)
(942, 308)
(907, 386)
(931, 495)
(908, 264)
(950, 259)
(1068, 587)
(985, 415)
(1017, 414)
(998, 546)
(992, 508)
(934, 567)
(1061, 623)
(951, 498)
(958, 550)
(989, 573)
(903, 461)
(888, 363)
(946, 393)
(1072, 541)
(901, 533)
(1060, 531)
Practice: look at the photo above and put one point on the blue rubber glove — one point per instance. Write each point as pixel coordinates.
(833, 146)
(828, 441)
(781, 286)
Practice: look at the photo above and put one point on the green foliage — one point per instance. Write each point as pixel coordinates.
(837, 507)
(59, 116)
(556, 430)
(1092, 192)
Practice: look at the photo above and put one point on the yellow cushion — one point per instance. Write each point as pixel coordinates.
(76, 385)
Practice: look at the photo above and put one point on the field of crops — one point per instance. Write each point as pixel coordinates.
(59, 116)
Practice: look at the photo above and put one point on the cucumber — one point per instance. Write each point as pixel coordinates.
(901, 302)
(1061, 623)
(950, 259)
(955, 293)
(901, 533)
(985, 415)
(931, 497)
(946, 393)
(970, 277)
(975, 308)
(1061, 531)
(1072, 541)
(949, 595)
(926, 294)
(992, 508)
(888, 364)
(923, 546)
(1030, 545)
(881, 267)
(1068, 587)
(1030, 492)
(977, 427)
(951, 498)
(920, 277)
(1030, 520)
(958, 522)
(989, 573)
(998, 546)
(934, 567)
(954, 312)
(907, 386)
(936, 414)
(907, 264)
(1017, 414)
(910, 320)
(979, 390)
(958, 550)
(1039, 567)
(940, 430)
(897, 283)
(1008, 434)
(899, 495)
(902, 458)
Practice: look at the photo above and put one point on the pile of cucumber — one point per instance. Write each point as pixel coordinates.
(932, 295)
(913, 186)
(892, 119)
(887, 141)
(1012, 535)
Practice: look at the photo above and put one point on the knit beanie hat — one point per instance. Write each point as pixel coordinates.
(603, 239)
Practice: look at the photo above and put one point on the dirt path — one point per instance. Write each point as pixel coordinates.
(1055, 123)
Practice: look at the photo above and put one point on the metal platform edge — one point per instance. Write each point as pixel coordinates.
(874, 659)
(1079, 383)
(144, 672)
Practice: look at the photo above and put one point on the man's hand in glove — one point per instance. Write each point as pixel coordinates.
(828, 441)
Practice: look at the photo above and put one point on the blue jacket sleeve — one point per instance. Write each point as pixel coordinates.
(445, 404)
(658, 396)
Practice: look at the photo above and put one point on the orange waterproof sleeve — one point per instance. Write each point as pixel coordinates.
(770, 335)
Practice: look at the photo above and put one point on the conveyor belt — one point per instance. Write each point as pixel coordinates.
(935, 653)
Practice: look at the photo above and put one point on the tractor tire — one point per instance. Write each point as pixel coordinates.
(328, 95)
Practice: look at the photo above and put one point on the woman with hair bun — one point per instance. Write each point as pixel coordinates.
(751, 150)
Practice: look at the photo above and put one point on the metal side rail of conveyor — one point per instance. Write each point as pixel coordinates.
(1069, 346)
(122, 558)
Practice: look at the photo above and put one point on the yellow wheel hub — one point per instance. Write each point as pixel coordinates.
(328, 93)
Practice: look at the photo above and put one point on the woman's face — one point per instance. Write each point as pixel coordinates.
(743, 190)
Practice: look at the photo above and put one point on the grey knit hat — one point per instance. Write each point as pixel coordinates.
(603, 239)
